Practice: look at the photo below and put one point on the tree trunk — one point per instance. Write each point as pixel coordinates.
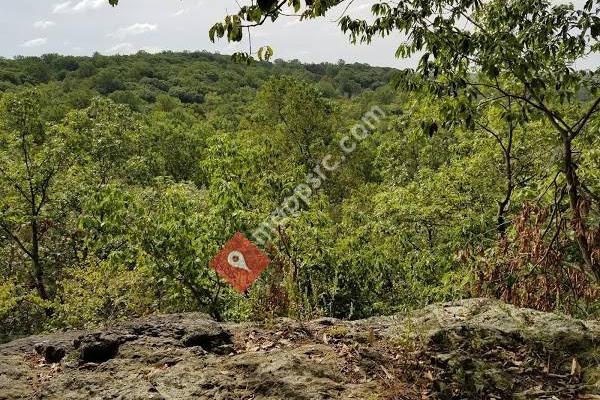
(510, 187)
(35, 259)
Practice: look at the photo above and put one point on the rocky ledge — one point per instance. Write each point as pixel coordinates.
(471, 349)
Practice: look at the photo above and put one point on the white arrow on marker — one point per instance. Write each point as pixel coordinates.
(236, 260)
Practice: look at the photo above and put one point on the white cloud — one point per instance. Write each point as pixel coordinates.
(128, 48)
(85, 5)
(35, 42)
(121, 48)
(61, 8)
(70, 7)
(43, 24)
(135, 29)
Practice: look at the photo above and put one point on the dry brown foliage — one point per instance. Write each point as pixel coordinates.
(537, 265)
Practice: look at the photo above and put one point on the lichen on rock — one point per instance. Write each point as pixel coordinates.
(470, 349)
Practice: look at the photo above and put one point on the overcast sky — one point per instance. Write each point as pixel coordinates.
(81, 27)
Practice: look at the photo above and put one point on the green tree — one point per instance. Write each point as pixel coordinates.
(32, 155)
(297, 116)
(107, 82)
(523, 51)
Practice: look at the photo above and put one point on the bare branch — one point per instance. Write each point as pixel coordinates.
(15, 239)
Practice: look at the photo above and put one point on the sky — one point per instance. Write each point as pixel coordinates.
(82, 27)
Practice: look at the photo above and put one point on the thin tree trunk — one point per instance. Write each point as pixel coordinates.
(35, 259)
(38, 268)
(510, 184)
(501, 222)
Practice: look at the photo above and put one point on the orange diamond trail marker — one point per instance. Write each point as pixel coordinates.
(240, 262)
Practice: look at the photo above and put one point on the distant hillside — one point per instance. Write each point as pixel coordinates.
(143, 79)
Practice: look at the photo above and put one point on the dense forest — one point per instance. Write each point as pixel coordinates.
(122, 176)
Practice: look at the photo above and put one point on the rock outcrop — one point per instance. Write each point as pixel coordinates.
(471, 349)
